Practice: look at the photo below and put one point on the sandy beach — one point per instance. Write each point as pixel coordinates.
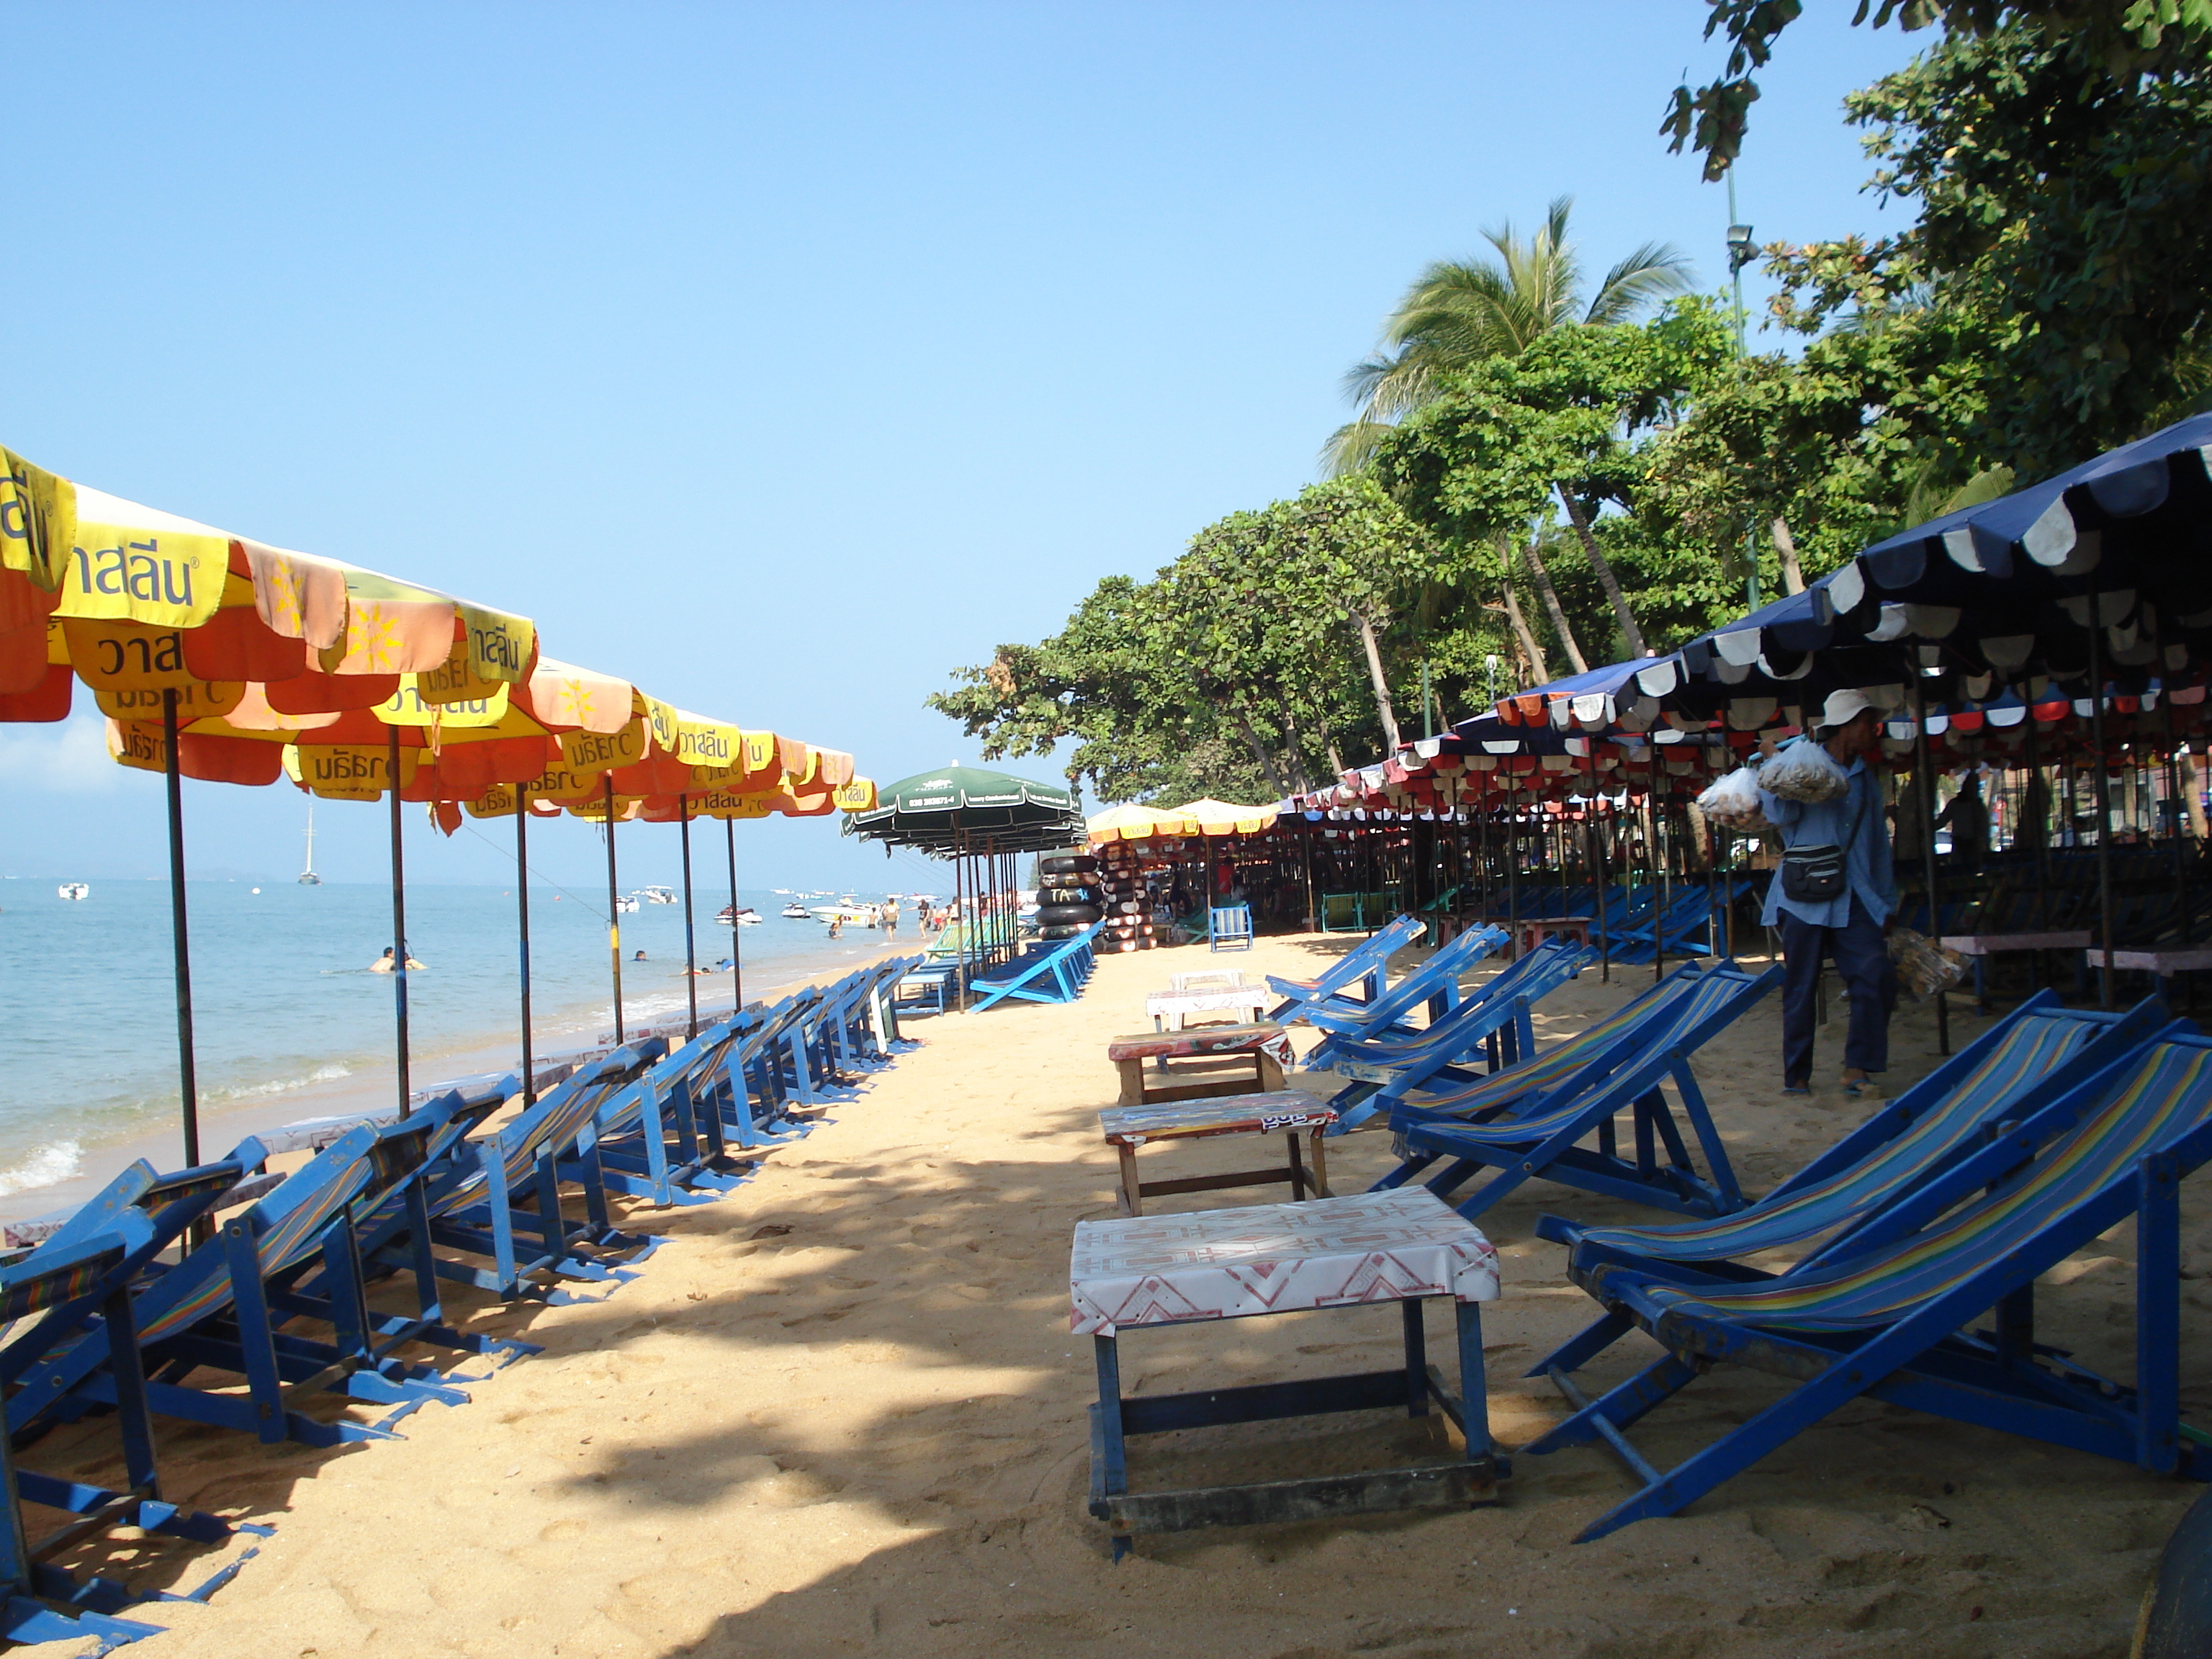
(840, 1411)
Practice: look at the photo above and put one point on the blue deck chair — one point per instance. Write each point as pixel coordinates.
(498, 1197)
(212, 1310)
(1591, 1053)
(38, 1601)
(2010, 1072)
(1497, 1009)
(1229, 927)
(1540, 1136)
(1363, 966)
(1056, 974)
(1892, 1318)
(665, 1136)
(1432, 985)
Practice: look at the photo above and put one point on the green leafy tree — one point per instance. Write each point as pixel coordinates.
(2100, 40)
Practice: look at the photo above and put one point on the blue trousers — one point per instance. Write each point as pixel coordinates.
(1863, 960)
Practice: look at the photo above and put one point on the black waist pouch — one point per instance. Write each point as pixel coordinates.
(1814, 875)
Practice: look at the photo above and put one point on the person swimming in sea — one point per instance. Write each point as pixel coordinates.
(639, 957)
(384, 964)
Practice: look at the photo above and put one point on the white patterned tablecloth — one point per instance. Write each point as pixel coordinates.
(1232, 1115)
(1252, 999)
(1275, 1258)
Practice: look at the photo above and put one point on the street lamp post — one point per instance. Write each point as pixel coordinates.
(1742, 250)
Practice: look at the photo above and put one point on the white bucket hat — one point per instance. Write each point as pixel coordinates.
(1843, 708)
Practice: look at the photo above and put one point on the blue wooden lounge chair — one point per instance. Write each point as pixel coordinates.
(212, 1310)
(2011, 1072)
(1497, 1009)
(1432, 1081)
(1363, 966)
(38, 1601)
(1539, 1135)
(498, 1197)
(1891, 1318)
(661, 1136)
(1432, 985)
(1058, 974)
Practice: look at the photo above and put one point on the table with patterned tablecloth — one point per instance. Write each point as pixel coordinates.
(1288, 1111)
(1205, 1049)
(1401, 1245)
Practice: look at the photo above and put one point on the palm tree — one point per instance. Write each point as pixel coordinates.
(1458, 313)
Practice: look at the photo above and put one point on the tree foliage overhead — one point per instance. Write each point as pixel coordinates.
(2113, 40)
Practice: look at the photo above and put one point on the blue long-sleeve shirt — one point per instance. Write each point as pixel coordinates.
(1869, 877)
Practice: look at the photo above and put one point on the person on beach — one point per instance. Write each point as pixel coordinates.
(890, 917)
(1851, 924)
(836, 925)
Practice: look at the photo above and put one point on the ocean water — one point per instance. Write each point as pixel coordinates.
(282, 996)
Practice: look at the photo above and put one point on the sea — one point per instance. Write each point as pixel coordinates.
(283, 1001)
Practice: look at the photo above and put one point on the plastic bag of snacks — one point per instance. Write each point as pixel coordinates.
(1804, 771)
(1923, 967)
(1733, 802)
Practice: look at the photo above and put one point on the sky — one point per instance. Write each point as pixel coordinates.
(779, 359)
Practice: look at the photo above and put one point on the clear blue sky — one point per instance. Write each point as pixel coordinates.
(780, 358)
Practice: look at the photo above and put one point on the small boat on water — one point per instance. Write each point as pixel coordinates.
(795, 911)
(307, 877)
(660, 896)
(74, 889)
(625, 903)
(748, 917)
(848, 908)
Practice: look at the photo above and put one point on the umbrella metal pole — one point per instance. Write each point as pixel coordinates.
(1925, 787)
(1657, 869)
(1594, 839)
(690, 932)
(188, 1086)
(522, 929)
(398, 914)
(2103, 788)
(1512, 874)
(2042, 833)
(737, 957)
(614, 915)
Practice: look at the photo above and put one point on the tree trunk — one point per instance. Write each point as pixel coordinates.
(1374, 678)
(1529, 648)
(2192, 798)
(1329, 741)
(1543, 578)
(1629, 631)
(1301, 780)
(1267, 768)
(1785, 544)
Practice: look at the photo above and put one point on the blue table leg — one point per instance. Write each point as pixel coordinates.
(1113, 1471)
(1473, 1392)
(1417, 1358)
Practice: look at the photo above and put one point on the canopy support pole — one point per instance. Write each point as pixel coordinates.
(522, 930)
(188, 1085)
(398, 914)
(1923, 778)
(2103, 786)
(1594, 845)
(737, 957)
(1512, 871)
(614, 915)
(691, 935)
(1656, 865)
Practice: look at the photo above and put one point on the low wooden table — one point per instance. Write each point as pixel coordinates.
(1533, 929)
(1289, 1111)
(1982, 946)
(2164, 964)
(1203, 1051)
(1402, 1245)
(1172, 1010)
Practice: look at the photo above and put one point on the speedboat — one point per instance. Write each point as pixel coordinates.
(74, 889)
(748, 917)
(848, 908)
(660, 896)
(795, 911)
(624, 903)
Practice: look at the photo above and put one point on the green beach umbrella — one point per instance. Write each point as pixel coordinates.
(940, 812)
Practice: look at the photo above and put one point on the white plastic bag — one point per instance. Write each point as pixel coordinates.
(1804, 771)
(1924, 966)
(1733, 802)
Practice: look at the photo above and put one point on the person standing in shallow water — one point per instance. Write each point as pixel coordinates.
(1851, 927)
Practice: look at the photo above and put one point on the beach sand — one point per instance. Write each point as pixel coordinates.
(840, 1411)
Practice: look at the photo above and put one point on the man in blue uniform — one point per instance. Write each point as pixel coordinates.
(1850, 925)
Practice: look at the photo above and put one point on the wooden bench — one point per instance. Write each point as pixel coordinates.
(1402, 1245)
(1289, 1110)
(1979, 947)
(1200, 1061)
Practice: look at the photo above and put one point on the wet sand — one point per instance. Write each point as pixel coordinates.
(840, 1411)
